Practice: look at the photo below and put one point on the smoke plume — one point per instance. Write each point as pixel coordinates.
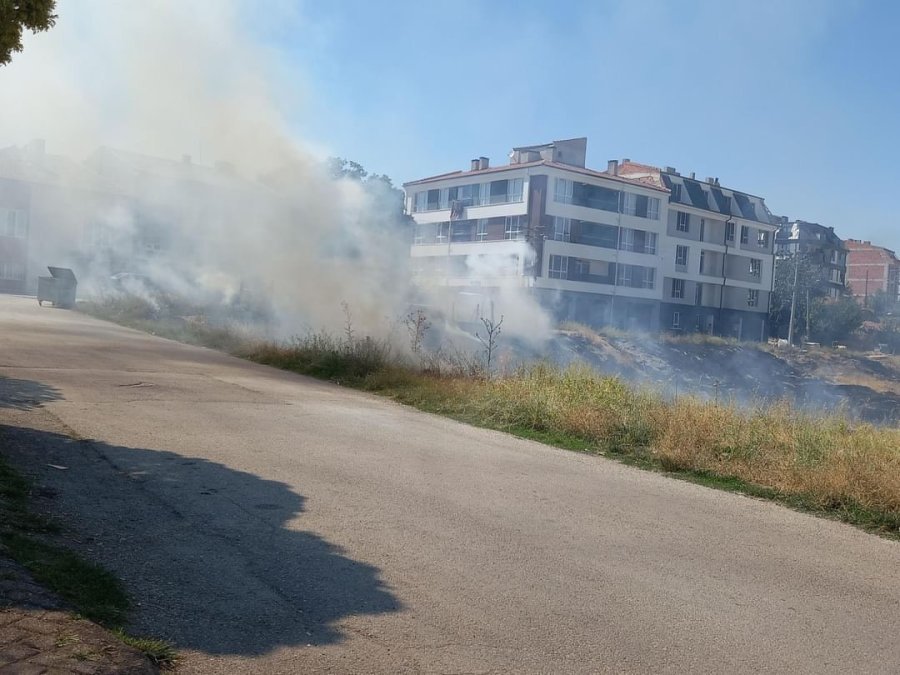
(242, 203)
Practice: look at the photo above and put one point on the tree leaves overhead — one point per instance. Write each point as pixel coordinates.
(18, 15)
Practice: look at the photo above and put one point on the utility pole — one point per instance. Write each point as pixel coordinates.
(724, 275)
(793, 302)
(807, 313)
(866, 300)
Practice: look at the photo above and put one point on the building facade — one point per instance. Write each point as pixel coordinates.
(871, 269)
(819, 246)
(115, 211)
(634, 246)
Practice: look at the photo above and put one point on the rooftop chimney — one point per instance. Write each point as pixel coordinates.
(693, 176)
(612, 167)
(710, 180)
(483, 162)
(671, 169)
(475, 164)
(625, 160)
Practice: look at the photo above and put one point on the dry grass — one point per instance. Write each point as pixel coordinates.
(827, 463)
(822, 463)
(878, 384)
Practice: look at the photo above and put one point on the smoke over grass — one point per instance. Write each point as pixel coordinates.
(242, 208)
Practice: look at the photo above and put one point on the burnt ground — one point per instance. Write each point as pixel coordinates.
(865, 387)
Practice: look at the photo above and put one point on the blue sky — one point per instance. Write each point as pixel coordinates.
(797, 101)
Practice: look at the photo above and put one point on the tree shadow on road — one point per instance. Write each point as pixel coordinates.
(214, 559)
(25, 394)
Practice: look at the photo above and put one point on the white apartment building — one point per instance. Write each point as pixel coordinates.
(633, 246)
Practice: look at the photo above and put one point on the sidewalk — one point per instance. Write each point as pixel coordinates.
(38, 635)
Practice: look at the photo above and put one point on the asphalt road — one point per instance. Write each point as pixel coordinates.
(269, 523)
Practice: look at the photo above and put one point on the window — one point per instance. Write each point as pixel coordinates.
(596, 197)
(698, 295)
(517, 188)
(467, 195)
(702, 228)
(605, 199)
(420, 234)
(639, 241)
(681, 256)
(12, 224)
(676, 320)
(421, 203)
(461, 230)
(752, 298)
(641, 206)
(762, 239)
(729, 231)
(559, 267)
(597, 234)
(755, 267)
(562, 229)
(635, 276)
(702, 266)
(563, 191)
(582, 267)
(684, 222)
(678, 288)
(505, 191)
(433, 200)
(515, 227)
(12, 271)
(481, 229)
(443, 230)
(745, 234)
(676, 192)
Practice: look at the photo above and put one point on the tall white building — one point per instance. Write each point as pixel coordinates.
(633, 246)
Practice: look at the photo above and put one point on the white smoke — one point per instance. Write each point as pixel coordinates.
(168, 78)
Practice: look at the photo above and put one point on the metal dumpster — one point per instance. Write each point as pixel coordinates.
(59, 288)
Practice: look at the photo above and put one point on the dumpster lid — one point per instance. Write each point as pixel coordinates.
(62, 273)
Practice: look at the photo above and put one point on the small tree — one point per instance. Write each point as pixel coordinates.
(417, 325)
(489, 341)
(834, 320)
(18, 15)
(812, 282)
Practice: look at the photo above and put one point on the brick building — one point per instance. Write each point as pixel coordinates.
(871, 269)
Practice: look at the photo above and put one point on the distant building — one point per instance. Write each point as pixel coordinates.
(36, 205)
(819, 246)
(116, 211)
(871, 269)
(633, 246)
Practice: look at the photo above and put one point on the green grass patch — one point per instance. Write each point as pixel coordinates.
(95, 593)
(92, 591)
(159, 652)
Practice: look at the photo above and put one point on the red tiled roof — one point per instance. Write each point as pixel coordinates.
(638, 168)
